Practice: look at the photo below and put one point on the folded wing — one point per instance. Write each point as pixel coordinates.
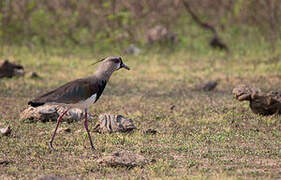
(72, 92)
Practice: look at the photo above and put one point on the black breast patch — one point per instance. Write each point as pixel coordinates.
(101, 86)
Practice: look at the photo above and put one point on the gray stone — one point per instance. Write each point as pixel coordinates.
(132, 49)
(5, 131)
(33, 75)
(207, 86)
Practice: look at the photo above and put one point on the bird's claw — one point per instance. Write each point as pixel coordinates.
(51, 146)
(93, 149)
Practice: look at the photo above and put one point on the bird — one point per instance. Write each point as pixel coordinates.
(81, 93)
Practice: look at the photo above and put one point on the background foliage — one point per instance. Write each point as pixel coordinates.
(100, 24)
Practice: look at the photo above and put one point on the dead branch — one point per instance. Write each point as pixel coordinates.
(215, 41)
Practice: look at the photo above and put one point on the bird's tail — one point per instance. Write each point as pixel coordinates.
(35, 104)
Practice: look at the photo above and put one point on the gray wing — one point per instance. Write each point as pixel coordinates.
(72, 92)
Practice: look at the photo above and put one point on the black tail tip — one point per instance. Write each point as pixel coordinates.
(35, 104)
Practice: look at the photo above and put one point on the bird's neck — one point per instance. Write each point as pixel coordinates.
(102, 74)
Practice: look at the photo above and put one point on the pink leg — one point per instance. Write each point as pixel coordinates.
(58, 123)
(86, 127)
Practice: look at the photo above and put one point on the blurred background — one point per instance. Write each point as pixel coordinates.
(98, 25)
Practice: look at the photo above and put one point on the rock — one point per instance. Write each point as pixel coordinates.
(172, 107)
(260, 103)
(5, 131)
(8, 69)
(109, 123)
(4, 162)
(150, 131)
(160, 34)
(132, 49)
(51, 113)
(61, 130)
(123, 158)
(244, 92)
(218, 44)
(207, 86)
(33, 75)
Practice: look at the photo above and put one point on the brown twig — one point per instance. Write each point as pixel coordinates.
(215, 41)
(197, 19)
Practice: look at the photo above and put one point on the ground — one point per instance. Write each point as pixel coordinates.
(201, 135)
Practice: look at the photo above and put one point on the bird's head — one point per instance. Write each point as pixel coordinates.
(114, 63)
(110, 64)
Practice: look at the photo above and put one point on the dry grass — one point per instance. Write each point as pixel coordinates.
(196, 140)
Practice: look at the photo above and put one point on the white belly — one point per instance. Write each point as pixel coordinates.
(80, 105)
(86, 103)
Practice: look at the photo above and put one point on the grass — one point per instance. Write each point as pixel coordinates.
(208, 135)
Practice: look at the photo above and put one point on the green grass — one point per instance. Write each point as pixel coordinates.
(196, 140)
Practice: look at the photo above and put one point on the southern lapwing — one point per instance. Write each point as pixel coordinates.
(81, 93)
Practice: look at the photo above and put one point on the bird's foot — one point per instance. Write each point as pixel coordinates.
(93, 149)
(51, 146)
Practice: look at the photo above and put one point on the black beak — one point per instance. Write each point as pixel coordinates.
(124, 66)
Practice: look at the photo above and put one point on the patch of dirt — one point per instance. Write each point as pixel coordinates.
(124, 159)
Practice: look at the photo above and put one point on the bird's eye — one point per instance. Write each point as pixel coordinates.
(116, 60)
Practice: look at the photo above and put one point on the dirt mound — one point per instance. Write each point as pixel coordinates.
(8, 69)
(260, 103)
